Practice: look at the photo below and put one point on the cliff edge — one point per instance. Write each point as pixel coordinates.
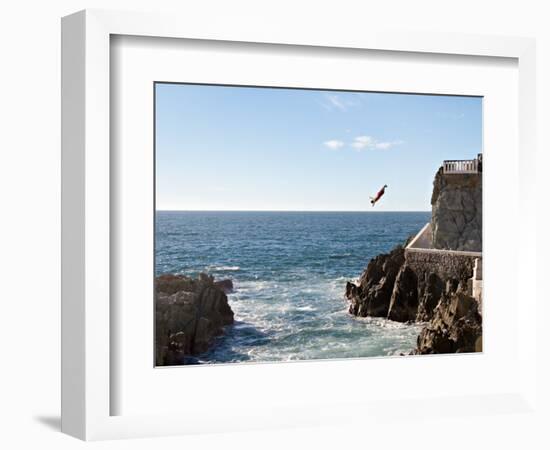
(433, 283)
(457, 211)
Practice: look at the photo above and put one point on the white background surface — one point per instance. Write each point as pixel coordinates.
(141, 389)
(29, 229)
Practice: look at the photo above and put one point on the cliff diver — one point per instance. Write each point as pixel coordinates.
(378, 196)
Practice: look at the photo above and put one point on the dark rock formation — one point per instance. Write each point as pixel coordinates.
(404, 299)
(406, 287)
(189, 313)
(433, 271)
(420, 287)
(430, 296)
(371, 297)
(455, 327)
(225, 285)
(456, 211)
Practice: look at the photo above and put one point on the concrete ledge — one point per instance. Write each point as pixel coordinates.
(423, 238)
(422, 243)
(436, 251)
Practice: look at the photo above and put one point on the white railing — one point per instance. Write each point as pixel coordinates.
(460, 166)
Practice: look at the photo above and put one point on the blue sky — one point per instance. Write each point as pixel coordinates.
(241, 148)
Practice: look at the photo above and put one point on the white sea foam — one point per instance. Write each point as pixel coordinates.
(305, 308)
(223, 268)
(306, 318)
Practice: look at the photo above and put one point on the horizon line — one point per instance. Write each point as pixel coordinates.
(285, 210)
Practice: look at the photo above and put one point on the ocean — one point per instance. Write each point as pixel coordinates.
(289, 271)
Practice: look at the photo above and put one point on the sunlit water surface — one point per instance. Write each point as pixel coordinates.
(289, 270)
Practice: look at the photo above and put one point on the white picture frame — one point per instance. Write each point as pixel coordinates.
(87, 384)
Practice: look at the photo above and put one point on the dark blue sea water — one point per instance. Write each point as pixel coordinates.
(289, 270)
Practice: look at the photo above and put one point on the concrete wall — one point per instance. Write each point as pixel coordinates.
(424, 260)
(446, 264)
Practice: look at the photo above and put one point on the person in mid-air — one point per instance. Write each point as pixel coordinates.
(379, 195)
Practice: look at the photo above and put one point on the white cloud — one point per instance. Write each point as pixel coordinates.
(361, 142)
(333, 144)
(337, 102)
(340, 102)
(369, 143)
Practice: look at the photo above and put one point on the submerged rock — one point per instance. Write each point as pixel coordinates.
(189, 313)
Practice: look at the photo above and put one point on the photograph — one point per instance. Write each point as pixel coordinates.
(296, 224)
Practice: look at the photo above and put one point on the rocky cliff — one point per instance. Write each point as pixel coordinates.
(189, 313)
(454, 328)
(456, 211)
(371, 297)
(429, 286)
(407, 288)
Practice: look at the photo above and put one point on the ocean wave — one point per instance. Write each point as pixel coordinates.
(306, 318)
(223, 268)
(340, 256)
(306, 308)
